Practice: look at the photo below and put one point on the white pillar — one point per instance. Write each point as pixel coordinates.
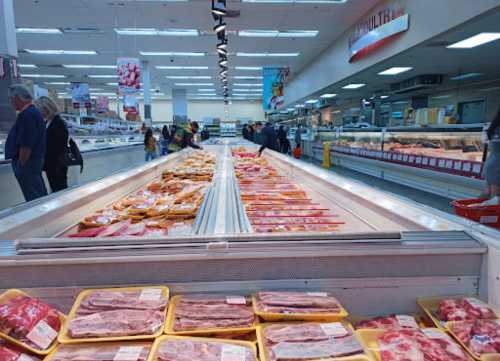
(146, 84)
(179, 106)
(8, 42)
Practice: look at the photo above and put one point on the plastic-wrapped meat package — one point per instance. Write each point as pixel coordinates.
(310, 341)
(117, 323)
(12, 353)
(480, 336)
(392, 322)
(129, 351)
(30, 321)
(213, 311)
(416, 345)
(464, 309)
(201, 350)
(297, 302)
(105, 300)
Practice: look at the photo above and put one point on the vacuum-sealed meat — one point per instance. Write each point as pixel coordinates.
(103, 352)
(392, 322)
(11, 353)
(480, 336)
(464, 309)
(201, 350)
(297, 302)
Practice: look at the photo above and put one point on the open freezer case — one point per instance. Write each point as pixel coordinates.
(387, 252)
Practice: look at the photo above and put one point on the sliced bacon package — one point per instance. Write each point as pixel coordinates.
(479, 336)
(115, 351)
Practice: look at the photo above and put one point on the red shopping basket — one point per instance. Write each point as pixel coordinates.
(488, 215)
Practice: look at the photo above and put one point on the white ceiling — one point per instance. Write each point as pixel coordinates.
(330, 20)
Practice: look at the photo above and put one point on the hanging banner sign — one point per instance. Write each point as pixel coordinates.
(102, 104)
(15, 73)
(38, 91)
(377, 29)
(3, 73)
(129, 75)
(80, 93)
(130, 104)
(274, 79)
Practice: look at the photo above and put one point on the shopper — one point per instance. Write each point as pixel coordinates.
(258, 133)
(165, 140)
(57, 144)
(149, 145)
(492, 164)
(298, 136)
(269, 138)
(25, 145)
(246, 132)
(283, 142)
(251, 133)
(184, 137)
(205, 134)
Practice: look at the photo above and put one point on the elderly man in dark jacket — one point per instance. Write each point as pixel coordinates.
(269, 137)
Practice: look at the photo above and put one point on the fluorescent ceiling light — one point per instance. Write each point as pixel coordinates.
(206, 90)
(295, 1)
(384, 96)
(299, 106)
(466, 76)
(88, 66)
(95, 89)
(328, 96)
(280, 55)
(103, 76)
(188, 77)
(248, 84)
(278, 34)
(247, 77)
(311, 101)
(290, 109)
(194, 84)
(61, 52)
(105, 94)
(166, 67)
(396, 70)
(247, 90)
(170, 53)
(57, 83)
(157, 32)
(27, 66)
(43, 76)
(353, 86)
(112, 84)
(38, 31)
(442, 96)
(476, 40)
(248, 68)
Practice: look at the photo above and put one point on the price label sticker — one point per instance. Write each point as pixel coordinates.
(24, 357)
(476, 168)
(467, 167)
(334, 329)
(150, 294)
(411, 159)
(236, 300)
(425, 161)
(317, 294)
(407, 321)
(42, 335)
(483, 339)
(474, 302)
(128, 353)
(434, 333)
(418, 160)
(433, 162)
(449, 164)
(405, 158)
(233, 353)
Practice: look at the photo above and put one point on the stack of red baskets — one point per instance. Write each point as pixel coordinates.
(487, 215)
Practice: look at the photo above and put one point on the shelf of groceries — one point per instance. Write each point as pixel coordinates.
(148, 323)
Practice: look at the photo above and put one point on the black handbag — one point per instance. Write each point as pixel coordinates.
(71, 156)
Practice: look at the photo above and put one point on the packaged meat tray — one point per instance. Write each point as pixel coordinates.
(211, 315)
(10, 352)
(309, 341)
(105, 351)
(28, 322)
(456, 308)
(481, 338)
(183, 348)
(296, 306)
(412, 345)
(389, 322)
(117, 314)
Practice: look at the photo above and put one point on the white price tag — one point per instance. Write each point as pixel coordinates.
(434, 333)
(432, 162)
(42, 335)
(467, 167)
(476, 168)
(25, 357)
(418, 160)
(334, 329)
(236, 300)
(128, 353)
(441, 163)
(425, 161)
(449, 164)
(457, 166)
(407, 321)
(474, 302)
(150, 294)
(411, 159)
(233, 353)
(317, 294)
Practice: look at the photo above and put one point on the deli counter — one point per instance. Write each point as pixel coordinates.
(380, 252)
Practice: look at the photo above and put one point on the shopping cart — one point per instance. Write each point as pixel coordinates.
(488, 215)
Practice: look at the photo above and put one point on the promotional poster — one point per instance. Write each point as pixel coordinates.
(273, 83)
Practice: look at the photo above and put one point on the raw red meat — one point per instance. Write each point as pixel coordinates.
(185, 324)
(117, 323)
(297, 302)
(290, 310)
(22, 314)
(392, 322)
(210, 311)
(115, 229)
(211, 299)
(415, 345)
(194, 350)
(103, 352)
(114, 300)
(89, 232)
(305, 332)
(481, 336)
(464, 309)
(12, 353)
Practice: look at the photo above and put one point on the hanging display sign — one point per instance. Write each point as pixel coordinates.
(130, 104)
(129, 75)
(15, 73)
(80, 94)
(377, 29)
(102, 104)
(38, 91)
(274, 79)
(3, 73)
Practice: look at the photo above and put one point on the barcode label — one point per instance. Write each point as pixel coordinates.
(317, 294)
(150, 294)
(407, 321)
(236, 300)
(42, 335)
(334, 329)
(128, 353)
(233, 353)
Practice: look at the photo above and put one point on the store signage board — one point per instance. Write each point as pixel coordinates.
(274, 79)
(377, 30)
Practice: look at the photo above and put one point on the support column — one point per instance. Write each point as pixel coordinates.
(146, 86)
(179, 106)
(8, 51)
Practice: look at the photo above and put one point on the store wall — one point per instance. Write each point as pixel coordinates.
(428, 18)
(197, 110)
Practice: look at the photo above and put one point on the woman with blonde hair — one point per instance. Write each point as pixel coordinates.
(57, 143)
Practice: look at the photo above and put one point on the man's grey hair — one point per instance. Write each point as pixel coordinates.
(21, 91)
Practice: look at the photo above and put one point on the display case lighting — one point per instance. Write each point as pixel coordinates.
(311, 101)
(112, 84)
(384, 96)
(476, 40)
(57, 83)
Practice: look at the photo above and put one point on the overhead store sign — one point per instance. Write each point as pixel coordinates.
(102, 104)
(80, 94)
(129, 75)
(273, 83)
(376, 30)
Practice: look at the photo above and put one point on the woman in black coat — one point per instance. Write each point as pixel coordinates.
(57, 143)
